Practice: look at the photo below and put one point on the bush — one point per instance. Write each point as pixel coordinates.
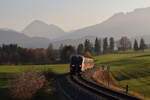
(27, 84)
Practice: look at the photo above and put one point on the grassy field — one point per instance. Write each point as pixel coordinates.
(7, 73)
(131, 69)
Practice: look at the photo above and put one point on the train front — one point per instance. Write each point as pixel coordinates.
(76, 64)
(80, 63)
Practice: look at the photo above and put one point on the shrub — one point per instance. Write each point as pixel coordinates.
(27, 84)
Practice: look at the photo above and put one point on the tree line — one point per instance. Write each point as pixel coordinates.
(101, 46)
(98, 48)
(109, 45)
(140, 46)
(13, 54)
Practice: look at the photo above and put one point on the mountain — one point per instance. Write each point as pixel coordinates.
(13, 37)
(131, 24)
(10, 36)
(38, 34)
(40, 29)
(74, 42)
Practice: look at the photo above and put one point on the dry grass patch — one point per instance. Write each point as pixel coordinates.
(103, 77)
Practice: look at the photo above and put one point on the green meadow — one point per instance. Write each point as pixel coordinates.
(8, 73)
(129, 68)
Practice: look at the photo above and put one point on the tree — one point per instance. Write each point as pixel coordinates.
(40, 56)
(105, 45)
(66, 53)
(87, 54)
(51, 54)
(97, 47)
(124, 44)
(112, 44)
(27, 56)
(142, 44)
(0, 55)
(13, 54)
(88, 46)
(100, 46)
(61, 47)
(80, 49)
(9, 54)
(136, 45)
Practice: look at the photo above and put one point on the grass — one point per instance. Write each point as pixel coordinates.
(8, 73)
(131, 69)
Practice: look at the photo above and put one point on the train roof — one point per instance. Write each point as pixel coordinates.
(81, 56)
(77, 56)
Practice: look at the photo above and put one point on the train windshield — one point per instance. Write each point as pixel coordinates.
(76, 60)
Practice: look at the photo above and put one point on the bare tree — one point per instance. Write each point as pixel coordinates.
(124, 44)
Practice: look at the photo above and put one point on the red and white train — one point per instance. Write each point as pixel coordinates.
(80, 63)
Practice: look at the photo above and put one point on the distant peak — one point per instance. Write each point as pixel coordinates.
(38, 28)
(38, 22)
(119, 14)
(140, 9)
(52, 25)
(116, 15)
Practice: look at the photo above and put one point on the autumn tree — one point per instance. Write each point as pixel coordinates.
(124, 44)
(66, 53)
(51, 53)
(87, 54)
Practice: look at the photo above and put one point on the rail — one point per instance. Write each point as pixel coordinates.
(101, 90)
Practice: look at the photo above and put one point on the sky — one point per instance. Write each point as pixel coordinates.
(67, 14)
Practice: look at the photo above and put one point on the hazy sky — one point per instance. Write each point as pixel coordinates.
(68, 14)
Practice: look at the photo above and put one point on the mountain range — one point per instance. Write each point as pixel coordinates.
(131, 24)
(38, 34)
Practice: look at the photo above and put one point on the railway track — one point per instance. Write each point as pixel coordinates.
(69, 90)
(98, 90)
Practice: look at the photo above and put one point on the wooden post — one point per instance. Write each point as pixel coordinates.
(102, 71)
(127, 88)
(108, 69)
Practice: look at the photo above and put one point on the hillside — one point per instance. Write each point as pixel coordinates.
(13, 37)
(131, 68)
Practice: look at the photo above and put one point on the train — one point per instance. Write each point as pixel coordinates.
(79, 63)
